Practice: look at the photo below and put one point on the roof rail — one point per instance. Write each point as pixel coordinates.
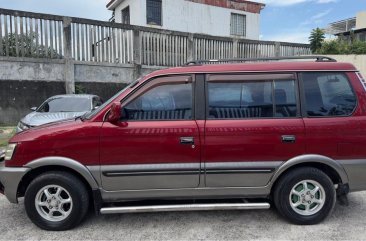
(317, 58)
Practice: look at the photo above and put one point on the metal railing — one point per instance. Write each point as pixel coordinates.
(26, 34)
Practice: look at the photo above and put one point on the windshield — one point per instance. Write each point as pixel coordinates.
(95, 111)
(66, 104)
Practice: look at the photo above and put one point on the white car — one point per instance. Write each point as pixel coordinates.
(59, 107)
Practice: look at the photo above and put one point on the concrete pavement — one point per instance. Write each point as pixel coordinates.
(345, 223)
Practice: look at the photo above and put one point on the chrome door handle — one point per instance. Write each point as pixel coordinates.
(288, 139)
(187, 140)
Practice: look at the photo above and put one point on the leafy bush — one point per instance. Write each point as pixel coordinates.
(79, 89)
(342, 47)
(28, 43)
(357, 47)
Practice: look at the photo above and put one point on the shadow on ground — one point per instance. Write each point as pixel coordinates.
(344, 223)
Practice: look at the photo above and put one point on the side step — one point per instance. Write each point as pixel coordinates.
(184, 207)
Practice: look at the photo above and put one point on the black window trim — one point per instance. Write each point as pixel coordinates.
(193, 83)
(303, 99)
(200, 97)
(297, 94)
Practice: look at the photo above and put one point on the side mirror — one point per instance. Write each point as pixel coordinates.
(114, 113)
(34, 108)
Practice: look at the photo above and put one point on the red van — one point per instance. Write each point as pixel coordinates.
(208, 136)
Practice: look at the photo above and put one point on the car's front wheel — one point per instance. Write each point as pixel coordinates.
(305, 196)
(56, 201)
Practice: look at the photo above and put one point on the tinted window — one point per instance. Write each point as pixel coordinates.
(256, 99)
(285, 98)
(166, 102)
(328, 94)
(97, 102)
(66, 104)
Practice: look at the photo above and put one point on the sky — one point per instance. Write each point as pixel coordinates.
(281, 20)
(293, 20)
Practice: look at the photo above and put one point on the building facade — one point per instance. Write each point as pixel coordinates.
(227, 18)
(350, 29)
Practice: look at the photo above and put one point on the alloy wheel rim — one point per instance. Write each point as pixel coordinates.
(53, 203)
(307, 197)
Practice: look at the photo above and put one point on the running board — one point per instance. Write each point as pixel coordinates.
(184, 207)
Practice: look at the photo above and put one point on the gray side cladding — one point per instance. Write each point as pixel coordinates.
(17, 97)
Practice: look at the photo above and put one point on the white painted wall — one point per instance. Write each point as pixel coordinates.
(357, 60)
(361, 20)
(137, 12)
(186, 16)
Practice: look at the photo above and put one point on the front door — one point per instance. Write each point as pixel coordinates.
(156, 145)
(253, 125)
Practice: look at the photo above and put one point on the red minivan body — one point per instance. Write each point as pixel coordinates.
(206, 132)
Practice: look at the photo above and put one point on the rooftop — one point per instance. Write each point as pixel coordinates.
(242, 5)
(361, 30)
(347, 25)
(341, 26)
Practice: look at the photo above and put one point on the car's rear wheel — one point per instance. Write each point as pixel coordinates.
(305, 196)
(56, 201)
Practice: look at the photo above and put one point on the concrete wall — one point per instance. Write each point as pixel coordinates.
(186, 16)
(26, 82)
(361, 20)
(357, 60)
(18, 96)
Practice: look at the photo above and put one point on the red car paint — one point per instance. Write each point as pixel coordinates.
(93, 142)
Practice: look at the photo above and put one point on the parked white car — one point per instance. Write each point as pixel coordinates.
(58, 108)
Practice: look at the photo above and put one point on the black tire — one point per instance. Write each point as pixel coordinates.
(289, 180)
(73, 185)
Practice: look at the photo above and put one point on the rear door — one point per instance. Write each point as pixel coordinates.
(253, 125)
(334, 118)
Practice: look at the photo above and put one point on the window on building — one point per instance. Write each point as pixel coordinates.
(126, 15)
(362, 37)
(328, 94)
(238, 24)
(153, 12)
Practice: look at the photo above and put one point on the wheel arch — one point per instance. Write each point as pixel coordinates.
(329, 166)
(42, 165)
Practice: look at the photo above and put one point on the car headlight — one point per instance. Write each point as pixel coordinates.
(10, 151)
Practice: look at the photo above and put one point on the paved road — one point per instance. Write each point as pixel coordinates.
(344, 224)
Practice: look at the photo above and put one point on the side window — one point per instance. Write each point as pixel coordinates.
(328, 94)
(97, 102)
(285, 98)
(252, 99)
(165, 102)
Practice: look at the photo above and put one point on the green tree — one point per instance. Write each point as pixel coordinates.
(28, 44)
(316, 39)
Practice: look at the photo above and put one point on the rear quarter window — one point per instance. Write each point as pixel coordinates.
(328, 94)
